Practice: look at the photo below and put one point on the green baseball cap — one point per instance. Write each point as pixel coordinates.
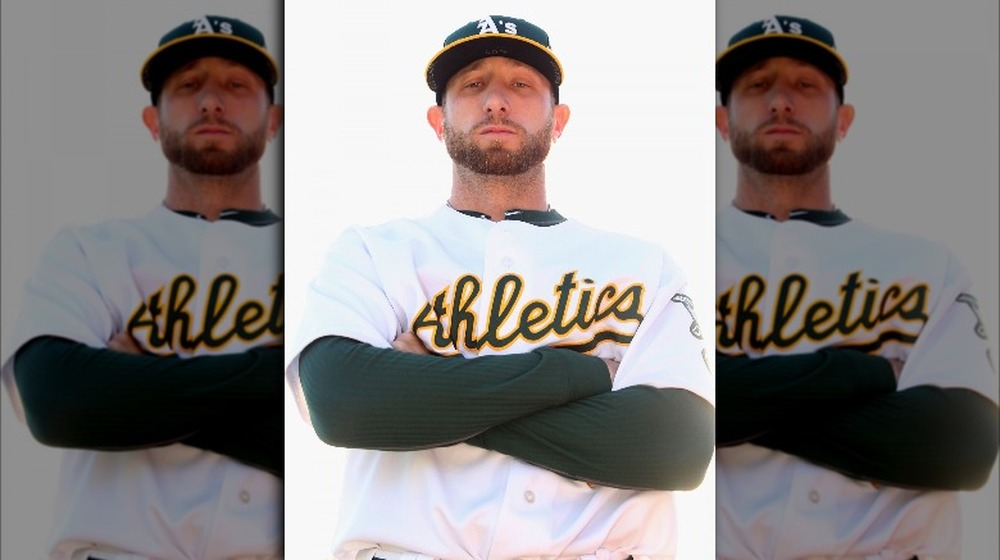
(209, 35)
(779, 35)
(494, 36)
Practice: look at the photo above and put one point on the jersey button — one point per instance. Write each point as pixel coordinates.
(529, 497)
(507, 262)
(814, 496)
(245, 497)
(223, 262)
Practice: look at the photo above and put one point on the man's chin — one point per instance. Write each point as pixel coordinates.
(213, 162)
(792, 165)
(499, 146)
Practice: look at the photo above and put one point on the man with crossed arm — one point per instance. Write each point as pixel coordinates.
(511, 383)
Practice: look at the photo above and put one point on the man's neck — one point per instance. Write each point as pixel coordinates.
(779, 195)
(209, 195)
(493, 195)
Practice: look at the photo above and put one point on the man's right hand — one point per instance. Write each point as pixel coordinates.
(123, 342)
(410, 342)
(612, 367)
(897, 367)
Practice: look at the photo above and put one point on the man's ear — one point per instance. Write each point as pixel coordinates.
(722, 121)
(275, 118)
(560, 118)
(151, 118)
(435, 117)
(845, 116)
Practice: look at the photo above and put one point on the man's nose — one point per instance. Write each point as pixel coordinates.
(210, 99)
(495, 100)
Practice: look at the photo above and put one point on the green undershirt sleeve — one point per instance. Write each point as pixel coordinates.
(637, 437)
(95, 398)
(373, 398)
(755, 395)
(840, 408)
(925, 437)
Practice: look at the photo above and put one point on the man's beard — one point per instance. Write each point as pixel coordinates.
(211, 160)
(780, 160)
(495, 159)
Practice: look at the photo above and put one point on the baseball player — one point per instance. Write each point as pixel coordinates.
(150, 348)
(856, 392)
(511, 383)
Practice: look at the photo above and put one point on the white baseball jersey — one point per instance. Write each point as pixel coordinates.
(463, 501)
(159, 272)
(794, 287)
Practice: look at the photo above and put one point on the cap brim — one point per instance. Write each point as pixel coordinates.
(744, 54)
(449, 60)
(171, 56)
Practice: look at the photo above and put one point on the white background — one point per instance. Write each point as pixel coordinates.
(921, 156)
(75, 152)
(637, 156)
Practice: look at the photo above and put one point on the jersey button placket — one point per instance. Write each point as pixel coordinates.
(507, 238)
(786, 252)
(497, 257)
(810, 511)
(527, 504)
(214, 259)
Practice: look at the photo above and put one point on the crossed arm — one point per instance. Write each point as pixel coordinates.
(550, 407)
(840, 408)
(117, 399)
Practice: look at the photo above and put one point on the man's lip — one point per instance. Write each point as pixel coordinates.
(782, 129)
(212, 129)
(493, 129)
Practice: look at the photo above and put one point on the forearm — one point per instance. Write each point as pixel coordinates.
(95, 398)
(257, 440)
(754, 395)
(638, 437)
(373, 398)
(925, 437)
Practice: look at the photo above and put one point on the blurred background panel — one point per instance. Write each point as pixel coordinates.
(75, 152)
(921, 155)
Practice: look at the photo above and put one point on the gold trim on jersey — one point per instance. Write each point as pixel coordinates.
(451, 322)
(166, 324)
(860, 317)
